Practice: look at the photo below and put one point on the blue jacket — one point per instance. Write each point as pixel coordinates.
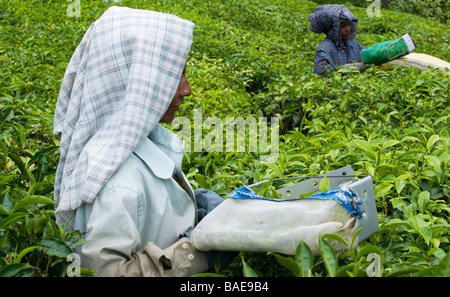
(328, 56)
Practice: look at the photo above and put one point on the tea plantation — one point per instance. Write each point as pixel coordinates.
(249, 59)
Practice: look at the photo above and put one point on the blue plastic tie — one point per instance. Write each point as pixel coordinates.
(344, 195)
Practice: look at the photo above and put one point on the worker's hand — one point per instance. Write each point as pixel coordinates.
(206, 200)
(361, 66)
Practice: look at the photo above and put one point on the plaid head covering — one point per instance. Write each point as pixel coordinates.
(117, 86)
(327, 19)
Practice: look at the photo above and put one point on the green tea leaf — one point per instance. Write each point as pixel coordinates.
(206, 274)
(368, 249)
(4, 180)
(247, 270)
(11, 219)
(23, 253)
(422, 200)
(14, 269)
(289, 263)
(54, 247)
(435, 163)
(329, 256)
(336, 237)
(31, 200)
(304, 259)
(443, 269)
(3, 211)
(19, 163)
(365, 146)
(431, 141)
(382, 189)
(324, 184)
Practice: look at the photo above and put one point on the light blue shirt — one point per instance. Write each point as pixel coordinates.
(141, 203)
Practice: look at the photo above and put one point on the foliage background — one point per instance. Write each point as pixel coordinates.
(249, 58)
(433, 9)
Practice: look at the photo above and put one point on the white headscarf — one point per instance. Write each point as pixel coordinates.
(117, 86)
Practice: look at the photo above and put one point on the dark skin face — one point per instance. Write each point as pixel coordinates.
(345, 30)
(183, 90)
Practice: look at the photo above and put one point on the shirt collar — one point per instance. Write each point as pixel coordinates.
(162, 151)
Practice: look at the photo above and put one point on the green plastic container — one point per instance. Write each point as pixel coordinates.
(388, 50)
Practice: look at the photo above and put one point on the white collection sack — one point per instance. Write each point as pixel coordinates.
(246, 221)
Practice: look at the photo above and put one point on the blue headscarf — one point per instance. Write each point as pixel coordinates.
(327, 19)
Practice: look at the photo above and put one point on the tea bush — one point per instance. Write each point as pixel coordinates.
(248, 59)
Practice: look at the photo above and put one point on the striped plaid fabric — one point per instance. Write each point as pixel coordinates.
(328, 57)
(117, 86)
